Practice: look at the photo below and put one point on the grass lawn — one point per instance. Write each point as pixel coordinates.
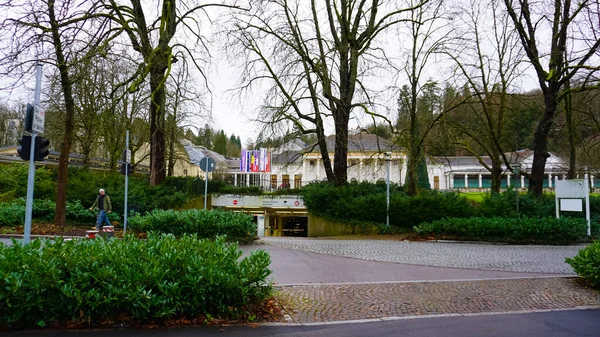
(474, 196)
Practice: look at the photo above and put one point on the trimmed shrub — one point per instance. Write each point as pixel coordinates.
(587, 263)
(366, 202)
(509, 230)
(504, 205)
(205, 224)
(157, 279)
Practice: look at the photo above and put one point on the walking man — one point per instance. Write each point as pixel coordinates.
(103, 204)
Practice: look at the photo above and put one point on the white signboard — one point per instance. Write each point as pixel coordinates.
(128, 156)
(571, 205)
(575, 188)
(39, 117)
(569, 195)
(269, 201)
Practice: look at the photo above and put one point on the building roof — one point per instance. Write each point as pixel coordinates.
(196, 153)
(360, 143)
(286, 157)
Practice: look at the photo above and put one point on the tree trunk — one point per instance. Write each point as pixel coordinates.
(540, 153)
(324, 151)
(157, 132)
(412, 176)
(496, 174)
(65, 149)
(340, 159)
(571, 174)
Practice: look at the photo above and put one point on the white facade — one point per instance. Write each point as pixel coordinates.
(366, 162)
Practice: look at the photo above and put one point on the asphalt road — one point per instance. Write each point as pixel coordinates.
(292, 266)
(579, 323)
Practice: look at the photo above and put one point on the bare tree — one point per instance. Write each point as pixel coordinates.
(315, 58)
(570, 33)
(155, 42)
(185, 102)
(427, 35)
(57, 33)
(488, 57)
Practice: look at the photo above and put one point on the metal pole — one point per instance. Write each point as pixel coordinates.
(126, 181)
(205, 182)
(31, 174)
(517, 189)
(387, 212)
(587, 204)
(557, 204)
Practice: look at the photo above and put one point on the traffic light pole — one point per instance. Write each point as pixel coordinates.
(31, 175)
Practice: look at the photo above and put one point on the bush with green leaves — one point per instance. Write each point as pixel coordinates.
(151, 280)
(510, 230)
(206, 224)
(587, 263)
(13, 213)
(366, 202)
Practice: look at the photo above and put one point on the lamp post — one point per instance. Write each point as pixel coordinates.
(517, 171)
(388, 159)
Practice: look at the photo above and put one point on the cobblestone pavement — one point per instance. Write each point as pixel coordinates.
(323, 303)
(529, 259)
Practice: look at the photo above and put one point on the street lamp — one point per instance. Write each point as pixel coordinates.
(388, 159)
(517, 170)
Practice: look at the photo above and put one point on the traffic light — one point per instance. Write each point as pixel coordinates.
(25, 149)
(41, 148)
(29, 117)
(129, 169)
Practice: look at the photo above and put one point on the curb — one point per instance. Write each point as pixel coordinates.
(402, 318)
(511, 278)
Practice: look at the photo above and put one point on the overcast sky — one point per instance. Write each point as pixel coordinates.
(233, 114)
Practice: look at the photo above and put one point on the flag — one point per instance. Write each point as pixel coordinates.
(243, 161)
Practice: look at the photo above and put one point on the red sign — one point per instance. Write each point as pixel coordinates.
(296, 203)
(235, 202)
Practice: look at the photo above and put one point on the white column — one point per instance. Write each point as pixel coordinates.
(318, 168)
(550, 180)
(480, 181)
(303, 169)
(592, 181)
(235, 179)
(466, 181)
(451, 181)
(522, 181)
(508, 179)
(564, 177)
(361, 173)
(247, 179)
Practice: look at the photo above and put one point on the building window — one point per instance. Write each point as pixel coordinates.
(312, 162)
(285, 181)
(273, 181)
(436, 183)
(297, 181)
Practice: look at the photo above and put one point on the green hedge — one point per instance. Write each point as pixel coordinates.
(366, 202)
(83, 186)
(13, 213)
(587, 263)
(205, 224)
(154, 280)
(509, 230)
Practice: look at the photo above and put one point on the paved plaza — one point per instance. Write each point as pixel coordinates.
(342, 302)
(509, 258)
